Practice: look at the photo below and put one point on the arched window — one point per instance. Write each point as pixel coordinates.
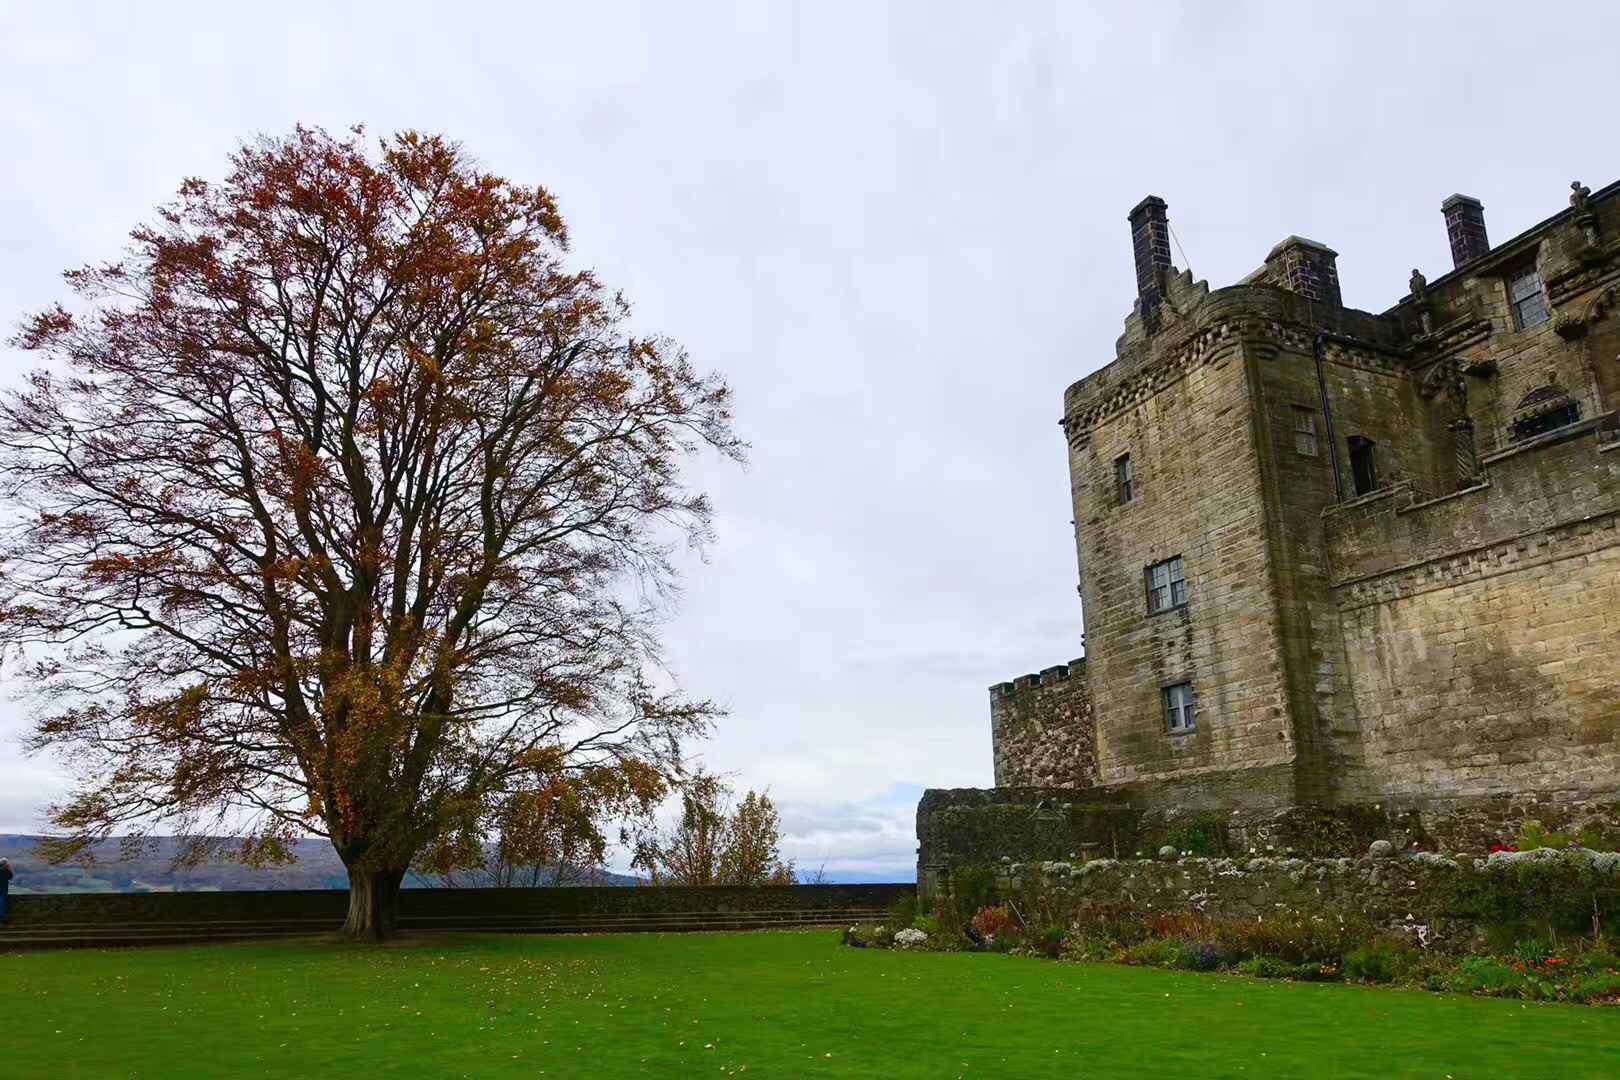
(1544, 409)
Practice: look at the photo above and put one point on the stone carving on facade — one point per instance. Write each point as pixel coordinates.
(1585, 220)
(1420, 300)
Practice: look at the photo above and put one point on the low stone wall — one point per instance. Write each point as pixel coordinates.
(1435, 898)
(971, 826)
(38, 910)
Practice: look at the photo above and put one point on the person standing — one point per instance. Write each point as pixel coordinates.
(5, 890)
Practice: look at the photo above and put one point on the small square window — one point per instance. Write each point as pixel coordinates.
(1166, 585)
(1124, 478)
(1180, 708)
(1526, 298)
(1304, 431)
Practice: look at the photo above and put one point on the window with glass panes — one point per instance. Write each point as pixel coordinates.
(1304, 431)
(1526, 298)
(1166, 585)
(1124, 478)
(1180, 708)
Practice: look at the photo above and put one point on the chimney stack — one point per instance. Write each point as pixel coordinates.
(1308, 268)
(1465, 228)
(1150, 242)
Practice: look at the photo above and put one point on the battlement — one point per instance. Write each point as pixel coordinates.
(1045, 677)
(1041, 729)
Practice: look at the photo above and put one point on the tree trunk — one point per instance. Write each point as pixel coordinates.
(373, 904)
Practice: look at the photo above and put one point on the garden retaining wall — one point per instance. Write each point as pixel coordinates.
(1452, 900)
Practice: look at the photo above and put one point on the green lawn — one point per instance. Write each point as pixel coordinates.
(773, 1004)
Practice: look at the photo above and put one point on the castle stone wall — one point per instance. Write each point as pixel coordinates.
(1481, 630)
(1196, 496)
(1041, 729)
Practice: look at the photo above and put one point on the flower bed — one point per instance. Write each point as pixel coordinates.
(1537, 924)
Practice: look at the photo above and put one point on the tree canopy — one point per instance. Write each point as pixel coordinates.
(342, 504)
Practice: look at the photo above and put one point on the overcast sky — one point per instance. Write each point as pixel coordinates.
(897, 229)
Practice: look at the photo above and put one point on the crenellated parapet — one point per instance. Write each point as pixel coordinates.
(1041, 728)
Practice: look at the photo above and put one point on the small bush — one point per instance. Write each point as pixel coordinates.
(1295, 936)
(1200, 956)
(903, 913)
(1161, 952)
(869, 936)
(1532, 950)
(1488, 975)
(988, 922)
(1533, 835)
(1599, 959)
(1264, 967)
(1600, 988)
(1204, 835)
(1370, 963)
(1111, 924)
(973, 887)
(1051, 941)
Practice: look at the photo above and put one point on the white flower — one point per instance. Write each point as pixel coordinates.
(910, 937)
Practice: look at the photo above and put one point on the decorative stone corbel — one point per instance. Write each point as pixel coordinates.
(1571, 326)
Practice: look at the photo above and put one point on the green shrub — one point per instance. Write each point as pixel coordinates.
(973, 887)
(1265, 967)
(1011, 937)
(1542, 897)
(1488, 975)
(1599, 959)
(1533, 835)
(1201, 956)
(1204, 835)
(869, 936)
(1111, 924)
(1532, 950)
(1160, 952)
(1370, 963)
(902, 913)
(1600, 987)
(1051, 941)
(1295, 936)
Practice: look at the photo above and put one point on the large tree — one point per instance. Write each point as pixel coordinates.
(343, 505)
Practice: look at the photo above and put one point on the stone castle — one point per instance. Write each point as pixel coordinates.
(1359, 569)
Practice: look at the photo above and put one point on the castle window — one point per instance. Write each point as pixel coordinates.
(1124, 478)
(1544, 409)
(1180, 708)
(1526, 298)
(1304, 431)
(1166, 585)
(1362, 466)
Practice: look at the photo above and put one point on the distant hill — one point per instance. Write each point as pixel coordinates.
(318, 867)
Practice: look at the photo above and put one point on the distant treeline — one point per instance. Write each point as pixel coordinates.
(152, 869)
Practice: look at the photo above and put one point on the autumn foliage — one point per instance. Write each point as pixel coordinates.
(342, 504)
(716, 843)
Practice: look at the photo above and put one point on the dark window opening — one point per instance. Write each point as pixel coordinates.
(1527, 299)
(1166, 585)
(1180, 708)
(1528, 427)
(1362, 468)
(1124, 478)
